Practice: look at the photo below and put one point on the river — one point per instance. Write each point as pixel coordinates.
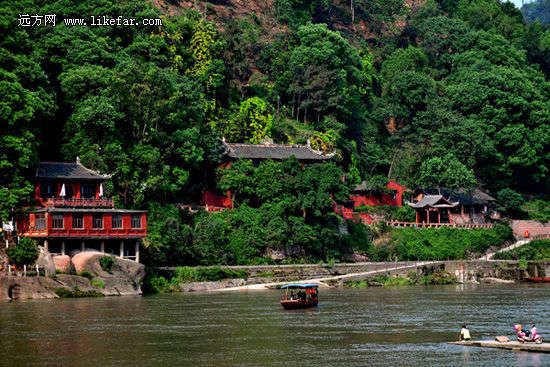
(351, 327)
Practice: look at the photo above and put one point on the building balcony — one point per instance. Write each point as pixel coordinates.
(85, 202)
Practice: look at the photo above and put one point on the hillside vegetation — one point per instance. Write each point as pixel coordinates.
(447, 93)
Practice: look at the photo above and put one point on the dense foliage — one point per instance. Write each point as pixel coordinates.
(447, 93)
(446, 243)
(25, 253)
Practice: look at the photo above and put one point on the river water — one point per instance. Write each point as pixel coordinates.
(351, 327)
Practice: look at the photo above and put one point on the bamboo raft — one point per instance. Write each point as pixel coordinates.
(511, 345)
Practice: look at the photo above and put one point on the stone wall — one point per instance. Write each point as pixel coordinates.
(535, 228)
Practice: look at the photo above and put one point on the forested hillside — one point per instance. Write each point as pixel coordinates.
(537, 10)
(447, 93)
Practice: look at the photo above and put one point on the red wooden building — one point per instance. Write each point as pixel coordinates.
(363, 195)
(73, 215)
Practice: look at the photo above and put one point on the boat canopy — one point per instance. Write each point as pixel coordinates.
(299, 286)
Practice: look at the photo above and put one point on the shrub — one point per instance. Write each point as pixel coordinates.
(86, 274)
(107, 263)
(187, 274)
(24, 253)
(96, 282)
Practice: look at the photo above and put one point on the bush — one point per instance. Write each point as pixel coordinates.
(76, 293)
(98, 283)
(86, 274)
(24, 253)
(187, 274)
(534, 250)
(107, 263)
(446, 243)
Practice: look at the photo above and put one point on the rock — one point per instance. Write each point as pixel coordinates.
(45, 261)
(124, 279)
(496, 281)
(372, 283)
(502, 339)
(209, 286)
(63, 263)
(13, 288)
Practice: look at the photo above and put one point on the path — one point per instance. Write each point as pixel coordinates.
(321, 281)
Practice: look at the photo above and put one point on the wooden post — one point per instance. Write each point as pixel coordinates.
(62, 247)
(122, 249)
(137, 251)
(82, 246)
(438, 216)
(102, 246)
(45, 245)
(428, 216)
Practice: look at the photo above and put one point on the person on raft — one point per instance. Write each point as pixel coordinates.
(464, 334)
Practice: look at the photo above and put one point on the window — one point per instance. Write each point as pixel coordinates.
(87, 191)
(57, 221)
(117, 221)
(46, 190)
(136, 221)
(40, 221)
(68, 192)
(77, 221)
(97, 221)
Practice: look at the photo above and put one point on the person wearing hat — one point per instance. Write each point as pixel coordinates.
(464, 334)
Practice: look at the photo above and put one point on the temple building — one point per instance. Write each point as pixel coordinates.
(72, 214)
(216, 201)
(441, 206)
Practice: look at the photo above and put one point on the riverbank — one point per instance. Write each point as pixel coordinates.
(344, 275)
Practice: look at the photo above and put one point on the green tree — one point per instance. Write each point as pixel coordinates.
(24, 253)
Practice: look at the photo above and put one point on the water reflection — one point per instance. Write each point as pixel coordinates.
(352, 327)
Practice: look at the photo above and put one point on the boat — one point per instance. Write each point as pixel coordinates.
(538, 279)
(297, 296)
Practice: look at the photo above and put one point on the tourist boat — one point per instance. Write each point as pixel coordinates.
(299, 296)
(538, 279)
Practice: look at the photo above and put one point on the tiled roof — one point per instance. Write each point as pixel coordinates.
(435, 201)
(275, 151)
(475, 197)
(68, 171)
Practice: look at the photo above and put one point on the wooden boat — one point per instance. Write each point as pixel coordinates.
(299, 296)
(538, 279)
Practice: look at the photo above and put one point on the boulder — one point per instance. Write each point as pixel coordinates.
(496, 281)
(46, 261)
(63, 263)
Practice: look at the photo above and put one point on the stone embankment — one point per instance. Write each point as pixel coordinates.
(469, 272)
(124, 278)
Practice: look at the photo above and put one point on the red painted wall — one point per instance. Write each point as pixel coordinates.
(68, 231)
(211, 199)
(395, 199)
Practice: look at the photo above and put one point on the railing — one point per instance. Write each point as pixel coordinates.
(194, 208)
(83, 202)
(438, 225)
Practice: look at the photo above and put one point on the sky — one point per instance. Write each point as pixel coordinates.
(518, 2)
